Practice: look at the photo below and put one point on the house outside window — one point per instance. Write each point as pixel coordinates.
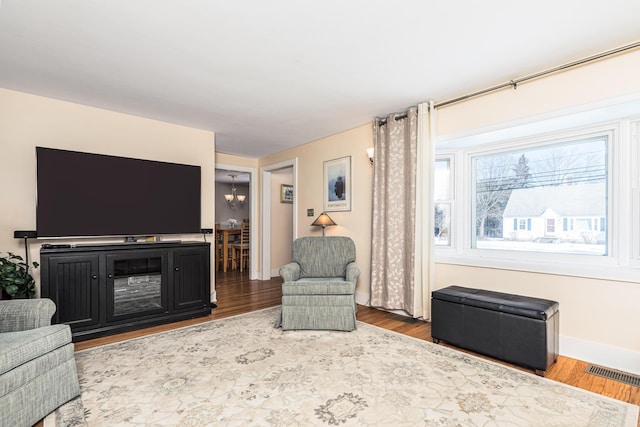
(546, 197)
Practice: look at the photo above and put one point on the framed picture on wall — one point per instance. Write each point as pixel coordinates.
(337, 184)
(286, 193)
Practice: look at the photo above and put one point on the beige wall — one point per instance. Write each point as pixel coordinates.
(309, 192)
(27, 121)
(599, 81)
(231, 159)
(598, 317)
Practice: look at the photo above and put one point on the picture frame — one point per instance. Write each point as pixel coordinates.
(286, 193)
(337, 184)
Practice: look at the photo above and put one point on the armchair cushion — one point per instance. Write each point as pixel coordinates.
(23, 346)
(318, 286)
(323, 257)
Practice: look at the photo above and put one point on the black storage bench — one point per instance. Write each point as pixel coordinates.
(517, 329)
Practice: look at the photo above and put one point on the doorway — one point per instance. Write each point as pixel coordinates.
(279, 219)
(235, 203)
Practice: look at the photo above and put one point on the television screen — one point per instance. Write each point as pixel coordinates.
(83, 194)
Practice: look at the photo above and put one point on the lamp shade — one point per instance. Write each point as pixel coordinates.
(323, 220)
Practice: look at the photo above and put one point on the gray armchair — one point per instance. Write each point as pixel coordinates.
(319, 285)
(37, 365)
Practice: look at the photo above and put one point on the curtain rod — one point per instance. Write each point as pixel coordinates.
(514, 83)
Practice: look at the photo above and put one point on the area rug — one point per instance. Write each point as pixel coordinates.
(241, 371)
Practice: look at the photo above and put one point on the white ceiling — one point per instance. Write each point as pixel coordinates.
(269, 75)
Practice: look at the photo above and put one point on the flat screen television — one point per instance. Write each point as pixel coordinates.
(84, 194)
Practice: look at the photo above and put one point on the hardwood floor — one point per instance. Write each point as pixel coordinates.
(237, 294)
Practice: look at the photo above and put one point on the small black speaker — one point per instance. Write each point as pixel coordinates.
(25, 234)
(206, 230)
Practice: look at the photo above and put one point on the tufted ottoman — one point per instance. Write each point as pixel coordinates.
(517, 329)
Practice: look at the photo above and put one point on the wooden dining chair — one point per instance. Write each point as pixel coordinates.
(219, 246)
(241, 249)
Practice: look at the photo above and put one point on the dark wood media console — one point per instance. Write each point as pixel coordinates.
(105, 289)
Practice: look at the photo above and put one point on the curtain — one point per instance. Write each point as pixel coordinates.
(401, 265)
(424, 269)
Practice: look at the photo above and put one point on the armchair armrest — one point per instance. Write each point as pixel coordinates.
(352, 273)
(23, 314)
(290, 272)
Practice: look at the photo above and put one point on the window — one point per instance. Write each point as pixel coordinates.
(551, 226)
(511, 181)
(545, 197)
(443, 196)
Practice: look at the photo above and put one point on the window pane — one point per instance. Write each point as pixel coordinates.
(442, 222)
(560, 188)
(442, 180)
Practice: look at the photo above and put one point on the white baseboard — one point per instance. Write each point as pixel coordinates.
(601, 354)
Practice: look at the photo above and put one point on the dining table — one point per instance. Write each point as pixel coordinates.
(223, 234)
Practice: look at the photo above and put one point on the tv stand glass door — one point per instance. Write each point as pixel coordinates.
(135, 284)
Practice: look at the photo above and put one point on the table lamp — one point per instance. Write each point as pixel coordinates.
(323, 220)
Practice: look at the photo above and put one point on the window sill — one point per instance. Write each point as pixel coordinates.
(584, 269)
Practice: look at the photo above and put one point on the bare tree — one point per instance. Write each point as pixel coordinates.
(521, 171)
(570, 164)
(492, 189)
(441, 220)
(497, 175)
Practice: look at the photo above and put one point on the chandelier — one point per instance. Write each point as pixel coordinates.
(233, 198)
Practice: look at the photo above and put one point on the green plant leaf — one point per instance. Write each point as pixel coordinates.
(15, 278)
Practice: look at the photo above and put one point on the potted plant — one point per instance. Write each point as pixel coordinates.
(15, 279)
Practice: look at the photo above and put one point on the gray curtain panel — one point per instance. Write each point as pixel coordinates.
(394, 207)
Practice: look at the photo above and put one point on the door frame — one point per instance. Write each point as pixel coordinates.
(265, 173)
(253, 213)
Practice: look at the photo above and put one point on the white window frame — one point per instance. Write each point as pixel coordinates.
(451, 201)
(622, 260)
(634, 153)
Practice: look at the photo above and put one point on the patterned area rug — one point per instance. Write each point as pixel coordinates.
(241, 371)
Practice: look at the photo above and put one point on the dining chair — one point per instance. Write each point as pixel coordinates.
(241, 249)
(219, 246)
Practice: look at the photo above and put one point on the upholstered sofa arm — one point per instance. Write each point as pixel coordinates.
(23, 314)
(290, 272)
(352, 273)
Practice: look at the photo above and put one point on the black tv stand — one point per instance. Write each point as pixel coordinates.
(103, 289)
(126, 244)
